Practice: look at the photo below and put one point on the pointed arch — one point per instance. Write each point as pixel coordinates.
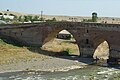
(52, 33)
(101, 48)
(1, 13)
(50, 37)
(11, 15)
(5, 14)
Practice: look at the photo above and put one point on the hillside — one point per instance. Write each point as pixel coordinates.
(67, 18)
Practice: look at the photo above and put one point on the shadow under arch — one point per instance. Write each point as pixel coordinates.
(1, 13)
(70, 46)
(102, 48)
(51, 35)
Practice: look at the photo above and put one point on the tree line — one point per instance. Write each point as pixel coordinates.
(26, 18)
(32, 19)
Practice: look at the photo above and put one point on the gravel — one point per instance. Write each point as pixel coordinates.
(52, 64)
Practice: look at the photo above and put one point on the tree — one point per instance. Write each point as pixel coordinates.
(94, 17)
(51, 20)
(54, 19)
(7, 19)
(2, 18)
(36, 18)
(26, 19)
(42, 19)
(7, 9)
(20, 19)
(15, 17)
(30, 18)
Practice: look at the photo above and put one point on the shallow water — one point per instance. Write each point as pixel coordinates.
(89, 73)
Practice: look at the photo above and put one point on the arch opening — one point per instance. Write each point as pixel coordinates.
(1, 14)
(5, 14)
(11, 14)
(102, 50)
(62, 43)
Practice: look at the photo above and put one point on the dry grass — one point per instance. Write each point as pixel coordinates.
(58, 45)
(13, 54)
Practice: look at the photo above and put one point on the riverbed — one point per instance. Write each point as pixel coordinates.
(89, 73)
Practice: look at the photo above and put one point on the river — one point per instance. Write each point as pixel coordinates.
(88, 73)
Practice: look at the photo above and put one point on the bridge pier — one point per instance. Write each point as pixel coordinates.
(86, 52)
(114, 56)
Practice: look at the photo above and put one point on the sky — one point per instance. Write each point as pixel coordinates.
(106, 8)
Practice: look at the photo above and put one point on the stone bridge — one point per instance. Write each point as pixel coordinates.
(88, 36)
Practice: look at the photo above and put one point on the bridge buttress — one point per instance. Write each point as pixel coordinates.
(114, 55)
(87, 52)
(86, 48)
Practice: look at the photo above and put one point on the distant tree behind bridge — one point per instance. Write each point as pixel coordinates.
(94, 17)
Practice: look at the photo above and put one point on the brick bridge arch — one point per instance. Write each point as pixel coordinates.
(86, 44)
(87, 35)
(98, 41)
(53, 33)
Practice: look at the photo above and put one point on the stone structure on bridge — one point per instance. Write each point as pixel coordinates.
(88, 36)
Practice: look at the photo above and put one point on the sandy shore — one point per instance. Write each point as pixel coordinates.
(51, 64)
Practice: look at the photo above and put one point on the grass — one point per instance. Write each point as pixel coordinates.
(14, 54)
(58, 45)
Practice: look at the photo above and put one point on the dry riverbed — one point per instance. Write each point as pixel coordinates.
(51, 64)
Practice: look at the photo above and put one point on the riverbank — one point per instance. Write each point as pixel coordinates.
(57, 55)
(52, 64)
(15, 58)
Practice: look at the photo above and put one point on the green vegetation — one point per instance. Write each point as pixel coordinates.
(51, 20)
(26, 18)
(69, 51)
(15, 22)
(36, 18)
(2, 18)
(94, 18)
(54, 19)
(20, 19)
(42, 19)
(87, 20)
(62, 46)
(15, 17)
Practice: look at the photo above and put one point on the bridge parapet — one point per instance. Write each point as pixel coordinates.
(100, 26)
